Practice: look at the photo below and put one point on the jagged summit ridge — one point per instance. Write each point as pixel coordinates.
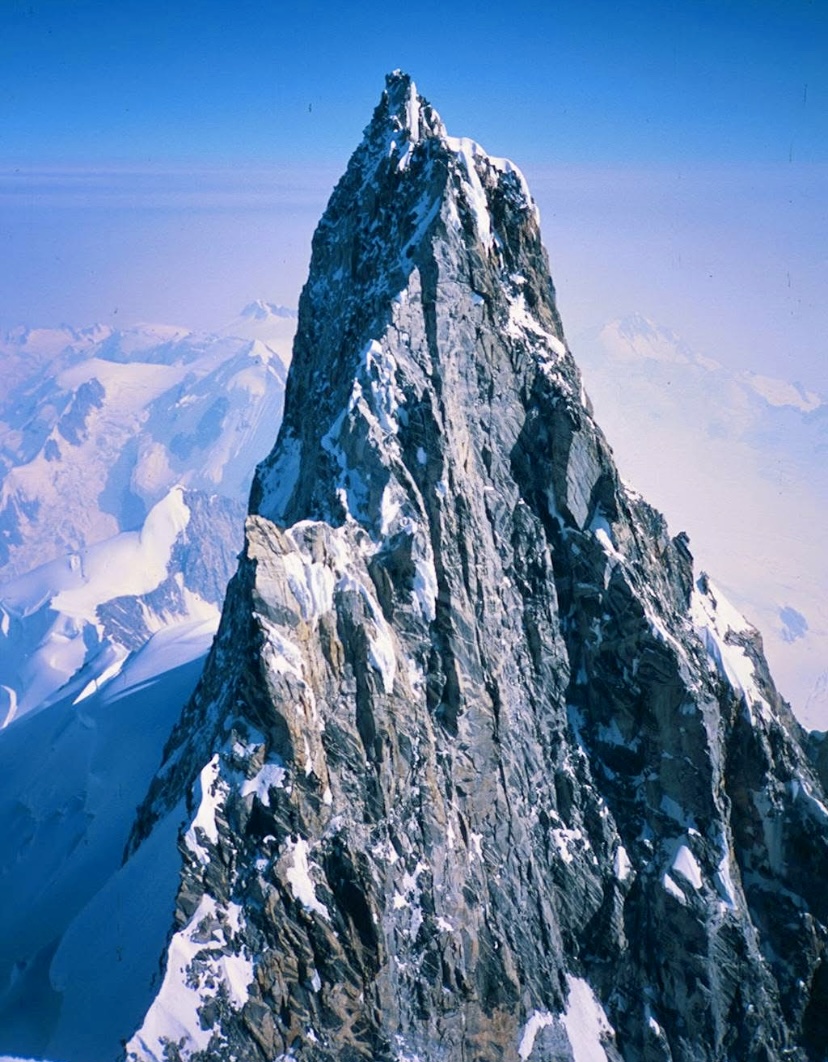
(477, 767)
(379, 249)
(403, 118)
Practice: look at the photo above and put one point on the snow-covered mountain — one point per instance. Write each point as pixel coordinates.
(97, 426)
(125, 465)
(739, 461)
(479, 766)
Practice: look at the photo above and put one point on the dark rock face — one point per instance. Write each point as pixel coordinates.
(478, 768)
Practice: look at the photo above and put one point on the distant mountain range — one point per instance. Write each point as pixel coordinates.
(96, 426)
(125, 464)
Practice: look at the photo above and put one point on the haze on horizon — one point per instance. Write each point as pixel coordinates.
(169, 162)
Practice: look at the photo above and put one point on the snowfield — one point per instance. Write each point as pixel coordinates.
(67, 931)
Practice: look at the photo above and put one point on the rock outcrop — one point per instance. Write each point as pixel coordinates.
(478, 768)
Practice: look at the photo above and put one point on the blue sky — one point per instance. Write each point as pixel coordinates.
(169, 160)
(201, 80)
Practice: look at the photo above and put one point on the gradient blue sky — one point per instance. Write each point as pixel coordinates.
(168, 161)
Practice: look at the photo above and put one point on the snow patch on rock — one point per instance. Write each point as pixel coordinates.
(200, 959)
(298, 875)
(586, 1024)
(714, 618)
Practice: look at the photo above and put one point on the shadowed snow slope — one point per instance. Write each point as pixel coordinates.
(74, 928)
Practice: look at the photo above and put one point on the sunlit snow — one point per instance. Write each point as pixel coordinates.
(298, 875)
(539, 1019)
(684, 863)
(714, 617)
(585, 1022)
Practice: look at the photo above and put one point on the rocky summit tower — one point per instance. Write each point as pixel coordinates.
(478, 769)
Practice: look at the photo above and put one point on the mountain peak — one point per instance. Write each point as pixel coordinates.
(404, 114)
(418, 214)
(476, 767)
(260, 310)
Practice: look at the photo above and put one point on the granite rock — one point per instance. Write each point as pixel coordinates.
(479, 767)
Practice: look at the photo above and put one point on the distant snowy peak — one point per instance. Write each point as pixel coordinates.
(262, 311)
(91, 437)
(268, 324)
(27, 352)
(150, 343)
(50, 341)
(636, 338)
(781, 393)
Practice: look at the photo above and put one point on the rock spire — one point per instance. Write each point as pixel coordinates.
(478, 767)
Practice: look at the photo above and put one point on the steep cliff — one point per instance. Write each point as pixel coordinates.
(478, 768)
